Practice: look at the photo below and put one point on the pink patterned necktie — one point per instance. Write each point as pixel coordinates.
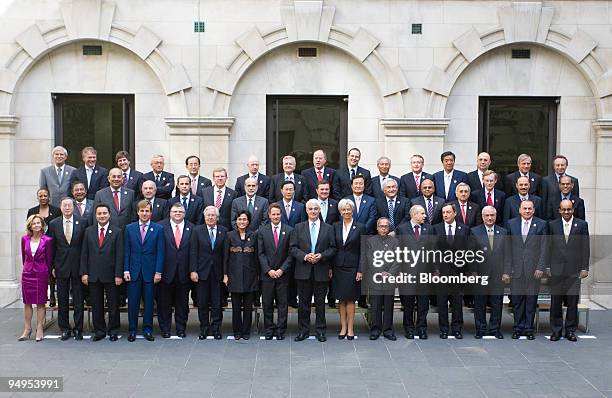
(276, 237)
(218, 200)
(143, 232)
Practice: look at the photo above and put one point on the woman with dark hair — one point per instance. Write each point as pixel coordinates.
(48, 212)
(241, 270)
(37, 257)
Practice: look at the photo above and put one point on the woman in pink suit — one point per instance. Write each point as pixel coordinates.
(37, 257)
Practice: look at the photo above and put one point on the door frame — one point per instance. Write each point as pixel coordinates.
(273, 164)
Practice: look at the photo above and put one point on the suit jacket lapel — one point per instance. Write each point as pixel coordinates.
(185, 237)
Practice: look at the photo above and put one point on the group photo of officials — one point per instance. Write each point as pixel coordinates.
(159, 244)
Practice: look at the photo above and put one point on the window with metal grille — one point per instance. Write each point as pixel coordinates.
(307, 52)
(92, 50)
(199, 26)
(521, 53)
(417, 28)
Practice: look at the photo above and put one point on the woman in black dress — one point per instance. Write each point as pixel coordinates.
(241, 270)
(48, 212)
(345, 270)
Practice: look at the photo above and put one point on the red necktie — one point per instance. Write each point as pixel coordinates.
(319, 176)
(218, 200)
(463, 213)
(417, 233)
(101, 236)
(489, 199)
(116, 199)
(177, 236)
(276, 237)
(417, 182)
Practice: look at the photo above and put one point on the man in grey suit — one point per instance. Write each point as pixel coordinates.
(257, 206)
(56, 178)
(119, 200)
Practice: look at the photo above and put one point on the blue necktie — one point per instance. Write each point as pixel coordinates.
(313, 237)
(391, 211)
(212, 237)
(59, 175)
(185, 202)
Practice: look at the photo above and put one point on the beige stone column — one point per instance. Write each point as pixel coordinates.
(9, 236)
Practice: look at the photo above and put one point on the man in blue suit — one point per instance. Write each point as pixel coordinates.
(143, 263)
(364, 210)
(513, 203)
(316, 174)
(529, 248)
(91, 174)
(341, 183)
(490, 196)
(446, 180)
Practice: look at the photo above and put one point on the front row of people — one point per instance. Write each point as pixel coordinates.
(175, 253)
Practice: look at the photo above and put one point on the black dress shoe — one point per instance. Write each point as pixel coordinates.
(410, 335)
(181, 334)
(98, 337)
(349, 337)
(293, 304)
(516, 335)
(166, 335)
(423, 336)
(530, 336)
(443, 335)
(555, 337)
(571, 337)
(341, 336)
(268, 337)
(372, 336)
(246, 336)
(498, 335)
(202, 336)
(478, 335)
(363, 305)
(391, 337)
(78, 335)
(300, 337)
(280, 336)
(149, 337)
(131, 338)
(113, 337)
(331, 304)
(66, 335)
(322, 338)
(237, 336)
(217, 336)
(458, 335)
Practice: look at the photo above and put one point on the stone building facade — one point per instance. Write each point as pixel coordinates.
(205, 92)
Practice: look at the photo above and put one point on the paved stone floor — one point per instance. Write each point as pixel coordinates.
(361, 368)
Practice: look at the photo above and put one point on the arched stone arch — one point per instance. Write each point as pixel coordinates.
(91, 20)
(308, 21)
(521, 23)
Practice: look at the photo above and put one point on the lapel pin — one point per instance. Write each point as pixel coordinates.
(575, 225)
(157, 206)
(261, 181)
(455, 181)
(95, 171)
(131, 178)
(125, 192)
(459, 227)
(534, 225)
(187, 228)
(283, 233)
(248, 239)
(151, 229)
(191, 200)
(164, 178)
(110, 232)
(532, 179)
(299, 182)
(255, 208)
(65, 172)
(469, 207)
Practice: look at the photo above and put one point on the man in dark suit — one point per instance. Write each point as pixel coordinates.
(468, 212)
(120, 200)
(159, 206)
(84, 207)
(415, 233)
(143, 264)
(197, 183)
(175, 284)
(164, 181)
(329, 206)
(276, 181)
(513, 203)
(206, 258)
(364, 209)
(67, 233)
(132, 179)
(263, 181)
(529, 248)
(384, 165)
(564, 193)
(476, 177)
(275, 261)
(220, 196)
(392, 206)
(313, 247)
(293, 213)
(316, 174)
(446, 180)
(495, 245)
(550, 183)
(256, 205)
(341, 185)
(430, 202)
(192, 204)
(93, 176)
(102, 272)
(490, 196)
(56, 178)
(524, 170)
(410, 183)
(569, 263)
(451, 235)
